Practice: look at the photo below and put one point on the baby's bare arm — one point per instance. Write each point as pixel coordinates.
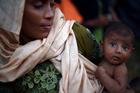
(121, 76)
(115, 84)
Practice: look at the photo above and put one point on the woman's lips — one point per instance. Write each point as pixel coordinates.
(45, 27)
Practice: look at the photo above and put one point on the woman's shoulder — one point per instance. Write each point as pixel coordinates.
(86, 41)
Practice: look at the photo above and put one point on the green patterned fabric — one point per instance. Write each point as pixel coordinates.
(44, 78)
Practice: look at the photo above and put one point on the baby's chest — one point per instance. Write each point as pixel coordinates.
(110, 72)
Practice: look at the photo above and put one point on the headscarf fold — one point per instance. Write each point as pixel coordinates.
(11, 12)
(60, 47)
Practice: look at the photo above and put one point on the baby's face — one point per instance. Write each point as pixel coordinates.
(116, 48)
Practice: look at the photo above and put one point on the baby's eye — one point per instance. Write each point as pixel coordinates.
(125, 47)
(113, 44)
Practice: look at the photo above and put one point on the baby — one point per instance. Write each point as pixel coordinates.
(116, 46)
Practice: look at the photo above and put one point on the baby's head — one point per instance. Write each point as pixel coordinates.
(117, 43)
(120, 29)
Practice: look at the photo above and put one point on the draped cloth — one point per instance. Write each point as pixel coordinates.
(59, 47)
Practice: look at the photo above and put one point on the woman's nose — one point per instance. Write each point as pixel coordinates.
(49, 13)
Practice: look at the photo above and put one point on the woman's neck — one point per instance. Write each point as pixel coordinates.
(23, 39)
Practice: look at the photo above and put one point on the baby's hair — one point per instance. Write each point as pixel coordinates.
(119, 28)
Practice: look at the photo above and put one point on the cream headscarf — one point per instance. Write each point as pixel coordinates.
(59, 47)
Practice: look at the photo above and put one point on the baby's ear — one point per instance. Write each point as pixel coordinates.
(133, 49)
(101, 44)
(101, 47)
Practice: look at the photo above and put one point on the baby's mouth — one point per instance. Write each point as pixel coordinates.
(116, 58)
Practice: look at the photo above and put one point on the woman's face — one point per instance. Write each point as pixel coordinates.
(37, 19)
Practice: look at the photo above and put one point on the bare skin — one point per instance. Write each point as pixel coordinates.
(37, 19)
(112, 71)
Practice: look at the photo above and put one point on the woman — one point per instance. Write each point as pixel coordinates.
(32, 51)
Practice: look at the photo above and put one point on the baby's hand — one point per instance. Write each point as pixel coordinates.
(99, 71)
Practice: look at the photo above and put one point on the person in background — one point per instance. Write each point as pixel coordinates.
(94, 12)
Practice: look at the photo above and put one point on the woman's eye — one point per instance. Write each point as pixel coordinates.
(52, 4)
(38, 4)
